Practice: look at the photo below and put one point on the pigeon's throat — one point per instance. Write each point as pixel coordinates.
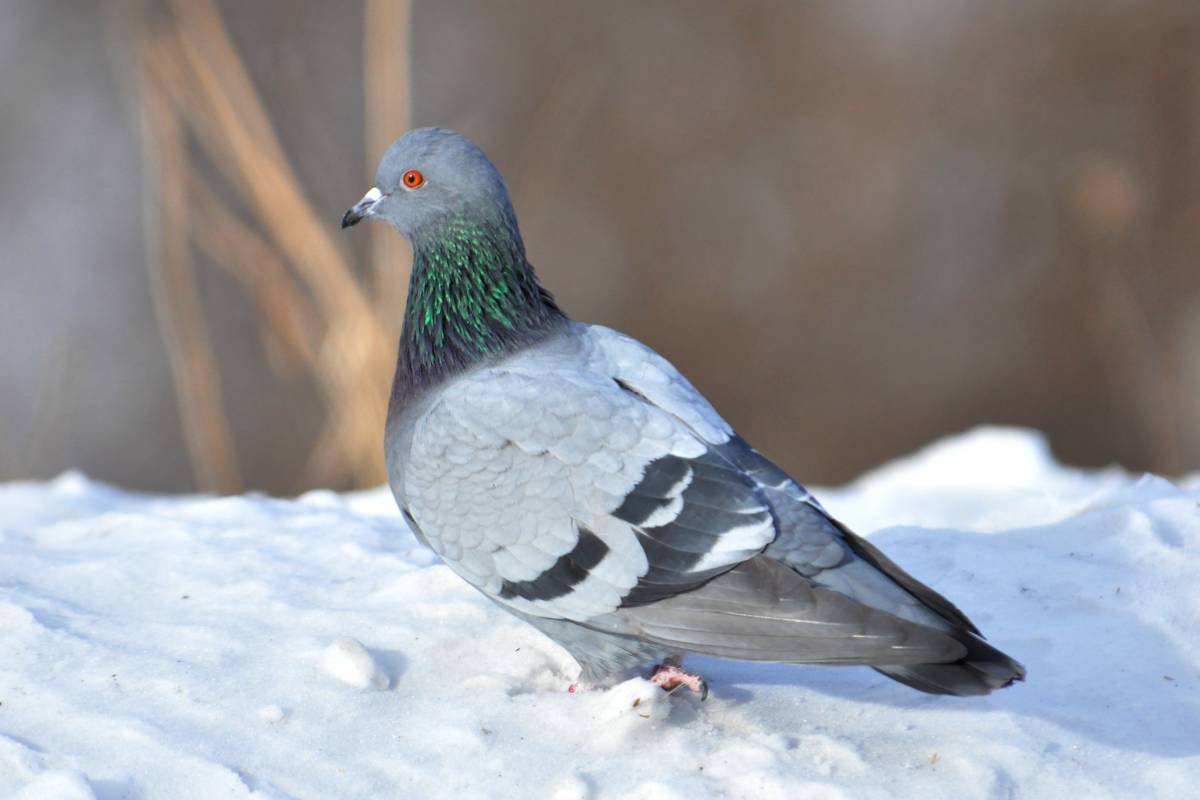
(472, 295)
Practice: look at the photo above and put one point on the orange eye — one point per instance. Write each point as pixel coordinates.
(412, 179)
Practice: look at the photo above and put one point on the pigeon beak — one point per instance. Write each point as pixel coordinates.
(363, 208)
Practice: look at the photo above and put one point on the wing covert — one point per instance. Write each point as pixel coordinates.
(562, 494)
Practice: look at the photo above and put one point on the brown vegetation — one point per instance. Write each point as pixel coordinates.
(316, 316)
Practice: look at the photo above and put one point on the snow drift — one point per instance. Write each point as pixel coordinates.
(249, 647)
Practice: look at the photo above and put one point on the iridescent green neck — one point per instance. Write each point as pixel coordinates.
(472, 296)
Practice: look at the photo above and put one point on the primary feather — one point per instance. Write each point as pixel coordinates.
(573, 476)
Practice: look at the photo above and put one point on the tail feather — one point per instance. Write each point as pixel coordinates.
(982, 670)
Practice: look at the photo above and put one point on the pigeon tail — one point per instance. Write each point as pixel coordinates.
(982, 670)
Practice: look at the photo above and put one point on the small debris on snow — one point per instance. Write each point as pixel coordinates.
(637, 698)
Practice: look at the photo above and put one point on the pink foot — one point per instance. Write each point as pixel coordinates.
(670, 677)
(573, 688)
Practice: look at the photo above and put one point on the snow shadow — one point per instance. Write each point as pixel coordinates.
(392, 663)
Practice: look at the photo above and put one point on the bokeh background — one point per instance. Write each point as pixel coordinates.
(856, 226)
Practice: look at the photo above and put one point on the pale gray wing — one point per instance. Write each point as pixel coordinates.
(810, 541)
(559, 492)
(853, 603)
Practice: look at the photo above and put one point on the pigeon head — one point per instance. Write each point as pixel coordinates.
(428, 177)
(472, 294)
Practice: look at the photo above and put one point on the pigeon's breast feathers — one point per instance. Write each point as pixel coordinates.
(580, 476)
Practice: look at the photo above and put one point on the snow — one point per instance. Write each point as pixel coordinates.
(250, 647)
(348, 661)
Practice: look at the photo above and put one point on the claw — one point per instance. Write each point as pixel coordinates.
(670, 677)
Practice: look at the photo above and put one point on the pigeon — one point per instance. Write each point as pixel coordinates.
(573, 476)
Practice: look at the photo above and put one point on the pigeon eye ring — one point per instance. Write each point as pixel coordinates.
(412, 179)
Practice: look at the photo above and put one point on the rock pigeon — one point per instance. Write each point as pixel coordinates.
(576, 478)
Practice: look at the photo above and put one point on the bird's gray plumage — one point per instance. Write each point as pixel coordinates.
(573, 476)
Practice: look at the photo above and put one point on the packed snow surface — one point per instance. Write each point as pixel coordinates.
(248, 647)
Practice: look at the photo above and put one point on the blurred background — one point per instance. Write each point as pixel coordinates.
(856, 226)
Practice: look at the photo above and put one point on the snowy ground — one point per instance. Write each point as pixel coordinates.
(171, 647)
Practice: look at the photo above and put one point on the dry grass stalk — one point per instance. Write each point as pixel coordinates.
(176, 304)
(201, 87)
(385, 85)
(232, 245)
